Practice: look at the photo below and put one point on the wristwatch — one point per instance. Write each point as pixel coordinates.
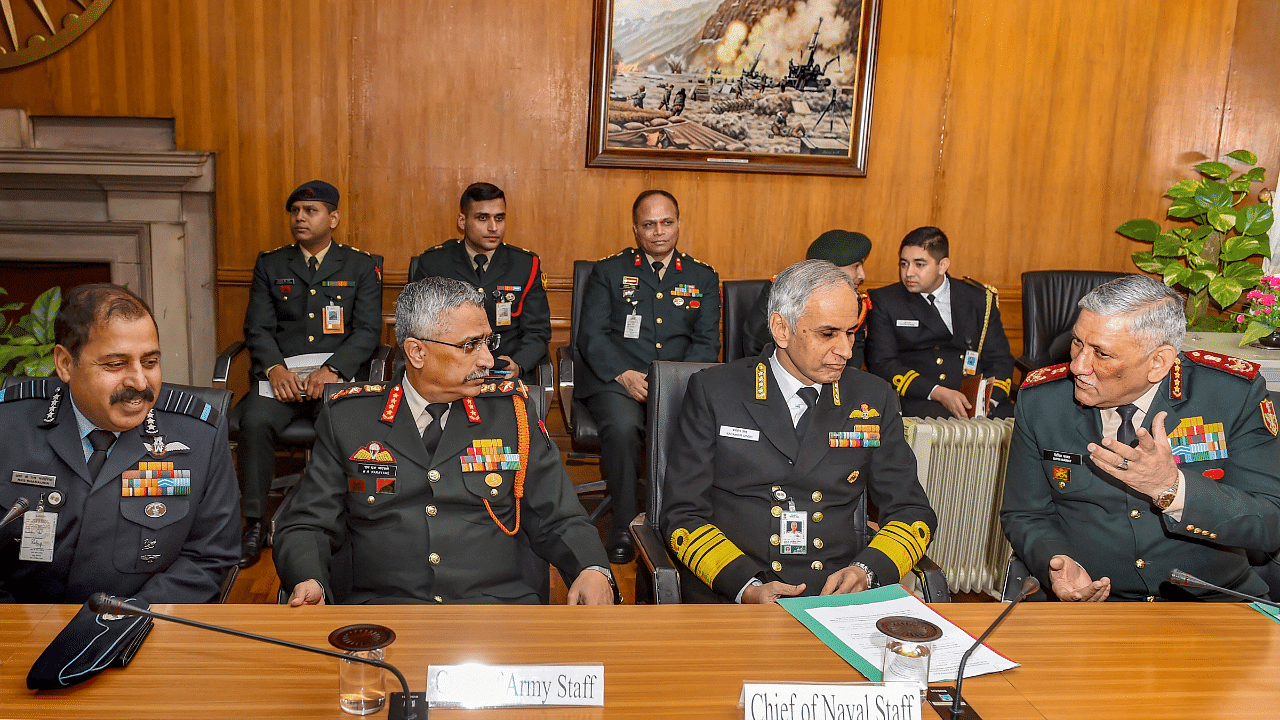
(1165, 499)
(871, 575)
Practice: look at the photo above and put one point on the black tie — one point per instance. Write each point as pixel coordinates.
(480, 262)
(1126, 434)
(314, 264)
(657, 268)
(810, 397)
(431, 435)
(101, 440)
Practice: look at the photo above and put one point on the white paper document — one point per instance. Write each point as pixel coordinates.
(302, 365)
(855, 625)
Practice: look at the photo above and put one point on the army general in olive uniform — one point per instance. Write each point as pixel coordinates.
(314, 296)
(1134, 459)
(772, 455)
(511, 278)
(132, 479)
(434, 489)
(647, 303)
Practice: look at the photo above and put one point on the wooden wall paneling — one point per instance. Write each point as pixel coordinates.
(1251, 115)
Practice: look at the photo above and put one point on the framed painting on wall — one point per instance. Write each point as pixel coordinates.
(774, 86)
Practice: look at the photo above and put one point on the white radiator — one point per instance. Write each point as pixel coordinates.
(961, 465)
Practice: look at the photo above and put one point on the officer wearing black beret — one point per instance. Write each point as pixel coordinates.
(312, 297)
(511, 278)
(846, 250)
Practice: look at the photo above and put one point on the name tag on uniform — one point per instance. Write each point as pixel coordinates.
(39, 528)
(1058, 456)
(502, 313)
(908, 323)
(632, 329)
(27, 478)
(739, 433)
(970, 362)
(333, 320)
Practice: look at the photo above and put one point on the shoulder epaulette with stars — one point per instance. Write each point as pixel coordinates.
(184, 403)
(370, 389)
(517, 248)
(1225, 363)
(440, 246)
(620, 253)
(691, 258)
(981, 285)
(353, 247)
(278, 249)
(1045, 374)
(35, 388)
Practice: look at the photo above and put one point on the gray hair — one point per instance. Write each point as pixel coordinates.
(421, 307)
(1155, 309)
(793, 287)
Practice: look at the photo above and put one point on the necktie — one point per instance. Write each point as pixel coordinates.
(810, 397)
(314, 264)
(657, 268)
(1126, 434)
(931, 300)
(431, 435)
(480, 263)
(101, 440)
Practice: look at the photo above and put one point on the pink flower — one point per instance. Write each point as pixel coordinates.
(1268, 299)
(1264, 310)
(1240, 318)
(1254, 294)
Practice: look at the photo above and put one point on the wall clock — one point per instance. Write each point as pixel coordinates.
(31, 33)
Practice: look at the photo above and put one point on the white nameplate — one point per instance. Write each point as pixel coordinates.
(483, 686)
(908, 323)
(739, 433)
(821, 701)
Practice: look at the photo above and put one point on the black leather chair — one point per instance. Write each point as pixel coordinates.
(739, 297)
(1049, 311)
(667, 383)
(584, 433)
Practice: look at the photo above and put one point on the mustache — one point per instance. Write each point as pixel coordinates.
(476, 375)
(127, 394)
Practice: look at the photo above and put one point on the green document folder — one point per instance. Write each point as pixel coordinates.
(799, 605)
(1267, 610)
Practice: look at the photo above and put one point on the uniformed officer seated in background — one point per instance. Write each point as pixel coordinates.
(927, 333)
(312, 297)
(650, 302)
(1135, 459)
(510, 278)
(772, 453)
(130, 484)
(430, 490)
(842, 248)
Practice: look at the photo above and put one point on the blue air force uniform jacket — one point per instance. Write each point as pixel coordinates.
(161, 548)
(735, 449)
(377, 520)
(1056, 502)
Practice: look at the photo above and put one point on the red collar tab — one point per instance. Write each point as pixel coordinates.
(473, 413)
(393, 404)
(1175, 381)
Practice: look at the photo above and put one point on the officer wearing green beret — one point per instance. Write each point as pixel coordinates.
(312, 297)
(650, 302)
(511, 278)
(842, 248)
(1135, 459)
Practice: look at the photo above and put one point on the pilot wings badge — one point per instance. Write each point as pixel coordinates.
(159, 448)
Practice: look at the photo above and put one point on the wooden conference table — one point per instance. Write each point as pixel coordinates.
(1105, 660)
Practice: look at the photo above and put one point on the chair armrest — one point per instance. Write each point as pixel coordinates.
(564, 365)
(228, 583)
(933, 582)
(652, 553)
(379, 364)
(1024, 363)
(222, 365)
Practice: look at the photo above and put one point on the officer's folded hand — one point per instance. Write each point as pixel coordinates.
(636, 384)
(591, 588)
(307, 592)
(769, 592)
(953, 400)
(849, 580)
(285, 384)
(316, 381)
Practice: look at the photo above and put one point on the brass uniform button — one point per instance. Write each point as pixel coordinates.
(658, 296)
(431, 511)
(817, 542)
(1191, 527)
(1151, 598)
(776, 511)
(437, 598)
(658, 345)
(942, 376)
(434, 559)
(311, 315)
(774, 539)
(433, 475)
(1213, 536)
(939, 361)
(313, 292)
(775, 488)
(816, 565)
(371, 499)
(1061, 484)
(659, 321)
(1140, 563)
(817, 517)
(339, 297)
(817, 496)
(777, 566)
(494, 492)
(311, 338)
(1135, 514)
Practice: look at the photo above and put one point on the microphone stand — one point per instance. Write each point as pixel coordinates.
(1179, 577)
(102, 603)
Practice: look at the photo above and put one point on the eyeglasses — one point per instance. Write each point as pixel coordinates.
(470, 346)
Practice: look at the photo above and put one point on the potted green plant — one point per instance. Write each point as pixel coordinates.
(26, 346)
(1261, 317)
(1208, 254)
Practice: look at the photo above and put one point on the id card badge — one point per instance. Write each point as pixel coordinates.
(794, 533)
(970, 362)
(39, 528)
(502, 313)
(333, 320)
(632, 329)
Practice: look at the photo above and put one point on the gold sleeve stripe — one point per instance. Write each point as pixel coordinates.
(705, 551)
(901, 382)
(1003, 384)
(904, 544)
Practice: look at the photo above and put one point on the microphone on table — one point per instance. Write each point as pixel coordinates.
(15, 512)
(958, 708)
(1179, 577)
(102, 603)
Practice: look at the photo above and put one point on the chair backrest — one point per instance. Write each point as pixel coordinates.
(667, 382)
(739, 298)
(1049, 310)
(413, 267)
(581, 272)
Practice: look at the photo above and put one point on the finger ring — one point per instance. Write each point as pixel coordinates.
(1123, 464)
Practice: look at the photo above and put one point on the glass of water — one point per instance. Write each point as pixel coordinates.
(907, 649)
(362, 689)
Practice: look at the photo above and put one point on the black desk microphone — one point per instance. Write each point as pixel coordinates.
(1178, 577)
(102, 603)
